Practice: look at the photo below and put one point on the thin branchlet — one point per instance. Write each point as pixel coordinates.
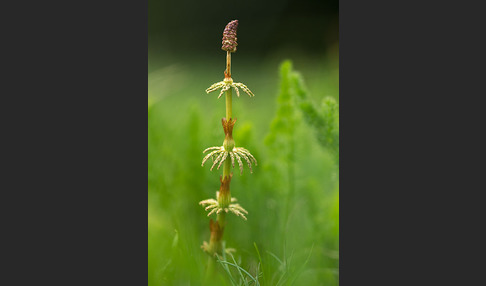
(232, 159)
(240, 164)
(217, 160)
(246, 152)
(222, 160)
(247, 160)
(212, 148)
(209, 155)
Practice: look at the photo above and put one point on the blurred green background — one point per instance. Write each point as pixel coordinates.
(293, 194)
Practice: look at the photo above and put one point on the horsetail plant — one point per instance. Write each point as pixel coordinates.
(227, 154)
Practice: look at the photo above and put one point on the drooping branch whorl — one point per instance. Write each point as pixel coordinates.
(229, 37)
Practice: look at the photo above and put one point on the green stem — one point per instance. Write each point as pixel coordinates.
(227, 164)
(229, 104)
(221, 217)
(228, 63)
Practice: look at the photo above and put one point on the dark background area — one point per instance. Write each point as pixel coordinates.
(176, 27)
(185, 56)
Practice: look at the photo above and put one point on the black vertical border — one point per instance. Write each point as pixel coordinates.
(378, 155)
(75, 143)
(409, 121)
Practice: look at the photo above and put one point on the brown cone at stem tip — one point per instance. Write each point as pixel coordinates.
(229, 37)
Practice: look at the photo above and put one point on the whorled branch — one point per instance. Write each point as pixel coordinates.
(213, 206)
(219, 155)
(226, 84)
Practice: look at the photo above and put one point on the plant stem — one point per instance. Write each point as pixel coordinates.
(229, 110)
(227, 164)
(215, 244)
(227, 74)
(228, 64)
(229, 104)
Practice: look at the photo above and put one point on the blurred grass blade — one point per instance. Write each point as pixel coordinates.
(261, 263)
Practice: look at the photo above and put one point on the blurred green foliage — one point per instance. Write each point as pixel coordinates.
(292, 232)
